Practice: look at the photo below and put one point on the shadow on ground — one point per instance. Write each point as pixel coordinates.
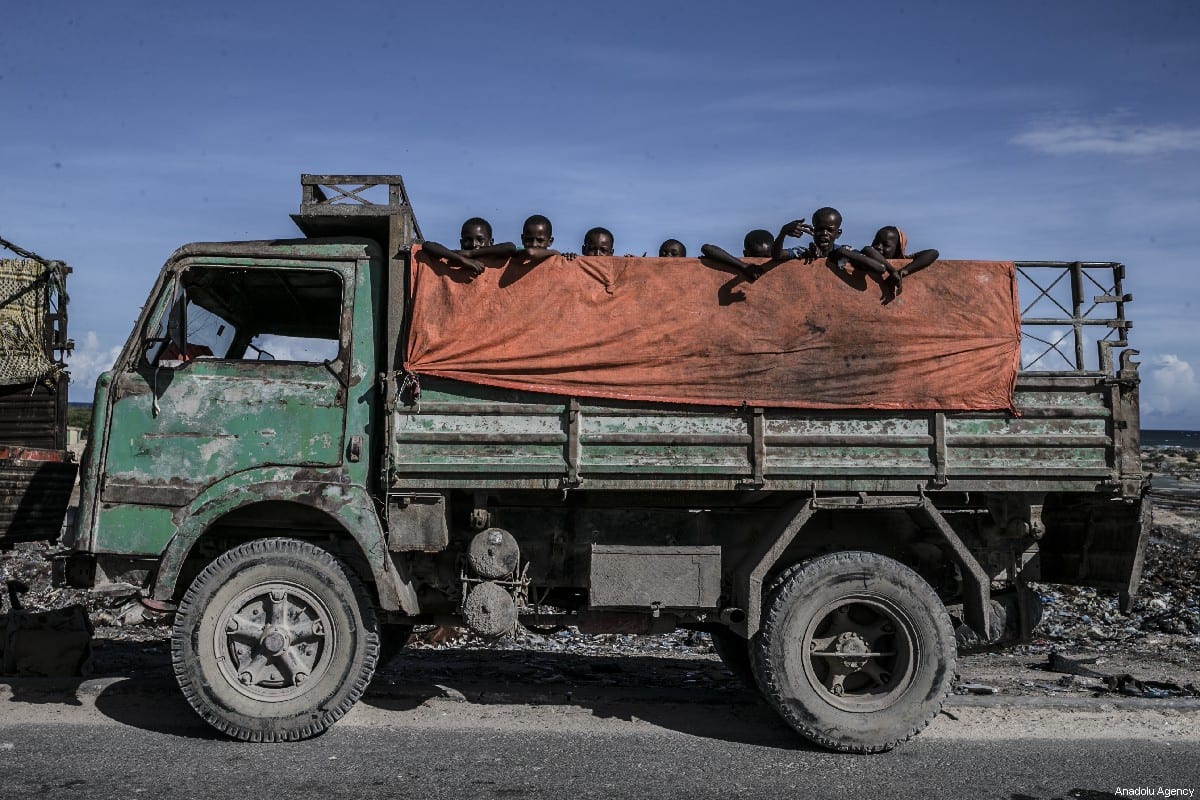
(696, 696)
(691, 695)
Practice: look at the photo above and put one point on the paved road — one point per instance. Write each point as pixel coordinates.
(134, 736)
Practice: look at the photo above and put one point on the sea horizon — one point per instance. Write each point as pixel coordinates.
(1154, 437)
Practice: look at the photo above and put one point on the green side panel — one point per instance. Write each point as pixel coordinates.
(133, 529)
(462, 433)
(217, 418)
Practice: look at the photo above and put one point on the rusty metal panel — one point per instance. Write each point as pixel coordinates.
(33, 415)
(417, 522)
(622, 576)
(35, 487)
(626, 440)
(1093, 540)
(480, 441)
(464, 436)
(797, 444)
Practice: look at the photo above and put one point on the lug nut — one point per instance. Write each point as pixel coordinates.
(837, 689)
(318, 629)
(246, 678)
(300, 678)
(277, 597)
(231, 626)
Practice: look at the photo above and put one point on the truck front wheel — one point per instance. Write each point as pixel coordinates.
(856, 652)
(274, 640)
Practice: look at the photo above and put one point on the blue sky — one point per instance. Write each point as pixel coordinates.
(1024, 131)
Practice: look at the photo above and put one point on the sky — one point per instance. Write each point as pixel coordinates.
(1012, 131)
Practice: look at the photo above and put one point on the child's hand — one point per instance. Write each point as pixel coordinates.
(895, 275)
(795, 229)
(570, 256)
(473, 266)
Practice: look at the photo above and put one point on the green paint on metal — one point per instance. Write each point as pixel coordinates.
(134, 529)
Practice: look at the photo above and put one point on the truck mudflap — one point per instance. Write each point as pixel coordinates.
(1095, 541)
(35, 487)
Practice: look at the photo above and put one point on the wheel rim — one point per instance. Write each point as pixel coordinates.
(860, 653)
(274, 641)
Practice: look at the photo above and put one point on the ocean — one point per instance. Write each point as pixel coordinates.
(1189, 440)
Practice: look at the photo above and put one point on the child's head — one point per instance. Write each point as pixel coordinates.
(476, 233)
(757, 244)
(537, 232)
(598, 242)
(672, 248)
(827, 227)
(889, 241)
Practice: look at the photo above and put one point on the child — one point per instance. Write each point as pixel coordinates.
(537, 234)
(475, 241)
(826, 227)
(672, 248)
(757, 244)
(888, 245)
(598, 242)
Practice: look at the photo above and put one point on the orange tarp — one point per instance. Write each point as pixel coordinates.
(677, 330)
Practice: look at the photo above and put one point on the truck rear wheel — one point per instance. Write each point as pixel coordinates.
(274, 640)
(856, 652)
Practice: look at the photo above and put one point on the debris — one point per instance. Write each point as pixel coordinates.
(976, 688)
(450, 693)
(1132, 687)
(1060, 663)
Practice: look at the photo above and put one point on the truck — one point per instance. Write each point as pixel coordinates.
(37, 471)
(267, 467)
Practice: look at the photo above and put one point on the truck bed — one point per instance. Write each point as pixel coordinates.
(464, 435)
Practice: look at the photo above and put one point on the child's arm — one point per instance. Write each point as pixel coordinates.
(502, 250)
(542, 253)
(920, 260)
(863, 260)
(794, 229)
(751, 272)
(453, 257)
(890, 272)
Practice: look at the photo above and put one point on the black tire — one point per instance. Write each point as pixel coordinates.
(734, 652)
(856, 652)
(275, 640)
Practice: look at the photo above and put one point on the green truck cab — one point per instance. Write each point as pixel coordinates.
(260, 468)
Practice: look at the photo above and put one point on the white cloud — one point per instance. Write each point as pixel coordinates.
(1170, 389)
(89, 358)
(1108, 137)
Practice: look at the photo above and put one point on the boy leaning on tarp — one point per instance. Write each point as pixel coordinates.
(888, 245)
(757, 244)
(475, 242)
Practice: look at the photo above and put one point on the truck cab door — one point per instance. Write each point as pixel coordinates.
(245, 366)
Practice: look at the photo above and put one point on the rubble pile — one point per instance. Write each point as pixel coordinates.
(29, 563)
